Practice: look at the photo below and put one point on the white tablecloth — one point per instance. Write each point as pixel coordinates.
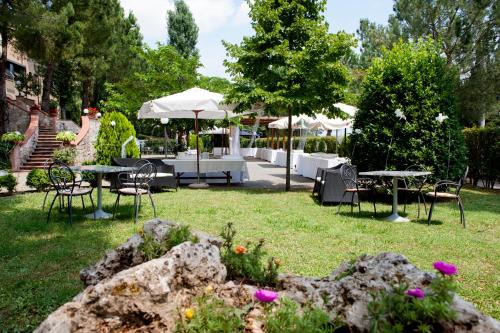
(212, 167)
(269, 155)
(281, 158)
(307, 165)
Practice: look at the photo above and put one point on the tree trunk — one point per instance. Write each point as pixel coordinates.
(86, 85)
(62, 105)
(3, 88)
(47, 87)
(289, 151)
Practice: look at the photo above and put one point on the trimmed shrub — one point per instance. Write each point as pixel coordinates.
(38, 179)
(114, 131)
(9, 182)
(414, 78)
(483, 145)
(65, 155)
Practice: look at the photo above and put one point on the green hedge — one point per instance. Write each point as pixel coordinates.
(484, 154)
(9, 182)
(312, 145)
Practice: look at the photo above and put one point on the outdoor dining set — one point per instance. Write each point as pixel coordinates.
(67, 182)
(341, 184)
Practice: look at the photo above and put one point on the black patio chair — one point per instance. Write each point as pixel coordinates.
(412, 186)
(66, 186)
(447, 189)
(355, 186)
(142, 179)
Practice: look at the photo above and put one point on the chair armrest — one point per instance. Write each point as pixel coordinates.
(444, 184)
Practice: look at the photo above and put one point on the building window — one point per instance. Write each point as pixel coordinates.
(13, 69)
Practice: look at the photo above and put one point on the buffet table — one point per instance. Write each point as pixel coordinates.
(280, 159)
(307, 164)
(232, 170)
(269, 155)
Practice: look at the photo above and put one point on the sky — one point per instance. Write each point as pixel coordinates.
(228, 20)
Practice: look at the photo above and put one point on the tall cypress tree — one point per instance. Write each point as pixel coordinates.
(292, 63)
(182, 30)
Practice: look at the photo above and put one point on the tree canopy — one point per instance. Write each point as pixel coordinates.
(182, 30)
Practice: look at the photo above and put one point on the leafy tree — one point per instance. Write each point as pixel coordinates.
(375, 37)
(111, 137)
(163, 72)
(468, 34)
(48, 33)
(414, 78)
(292, 63)
(182, 30)
(66, 88)
(214, 83)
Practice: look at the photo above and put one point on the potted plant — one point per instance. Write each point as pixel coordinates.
(13, 137)
(53, 107)
(66, 137)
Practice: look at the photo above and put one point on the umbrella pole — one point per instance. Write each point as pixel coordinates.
(197, 145)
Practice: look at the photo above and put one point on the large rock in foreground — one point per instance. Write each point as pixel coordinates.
(148, 297)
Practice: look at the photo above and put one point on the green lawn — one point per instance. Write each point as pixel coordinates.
(40, 262)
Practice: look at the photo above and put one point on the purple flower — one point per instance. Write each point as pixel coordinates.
(417, 292)
(445, 268)
(266, 296)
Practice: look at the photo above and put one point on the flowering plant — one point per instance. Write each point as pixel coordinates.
(91, 112)
(265, 296)
(415, 310)
(66, 136)
(13, 137)
(240, 249)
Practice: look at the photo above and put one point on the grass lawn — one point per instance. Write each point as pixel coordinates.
(40, 262)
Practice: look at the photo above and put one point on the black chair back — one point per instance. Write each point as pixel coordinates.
(462, 180)
(349, 176)
(144, 175)
(62, 177)
(415, 182)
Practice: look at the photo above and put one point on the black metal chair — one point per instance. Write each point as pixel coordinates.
(442, 191)
(66, 186)
(355, 186)
(142, 179)
(412, 186)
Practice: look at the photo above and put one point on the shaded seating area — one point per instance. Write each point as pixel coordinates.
(355, 186)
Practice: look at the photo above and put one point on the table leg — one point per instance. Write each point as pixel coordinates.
(99, 213)
(394, 217)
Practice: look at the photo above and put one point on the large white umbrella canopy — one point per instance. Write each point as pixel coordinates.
(297, 122)
(194, 103)
(325, 123)
(182, 105)
(349, 109)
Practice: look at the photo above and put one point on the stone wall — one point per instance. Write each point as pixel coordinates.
(19, 117)
(67, 125)
(85, 150)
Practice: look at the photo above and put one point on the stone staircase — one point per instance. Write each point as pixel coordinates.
(44, 150)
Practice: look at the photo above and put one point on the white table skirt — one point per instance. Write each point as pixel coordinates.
(212, 167)
(307, 165)
(281, 158)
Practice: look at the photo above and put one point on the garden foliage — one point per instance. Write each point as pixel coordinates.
(153, 249)
(65, 155)
(66, 136)
(13, 137)
(483, 145)
(415, 79)
(192, 143)
(9, 182)
(245, 262)
(311, 144)
(110, 138)
(38, 179)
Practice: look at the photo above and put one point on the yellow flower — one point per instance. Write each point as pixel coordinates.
(239, 249)
(209, 289)
(189, 313)
(277, 262)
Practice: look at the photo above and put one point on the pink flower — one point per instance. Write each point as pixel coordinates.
(445, 268)
(417, 292)
(266, 296)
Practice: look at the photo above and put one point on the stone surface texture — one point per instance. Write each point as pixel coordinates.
(126, 294)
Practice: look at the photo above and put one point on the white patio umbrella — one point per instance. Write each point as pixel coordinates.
(194, 103)
(349, 109)
(321, 121)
